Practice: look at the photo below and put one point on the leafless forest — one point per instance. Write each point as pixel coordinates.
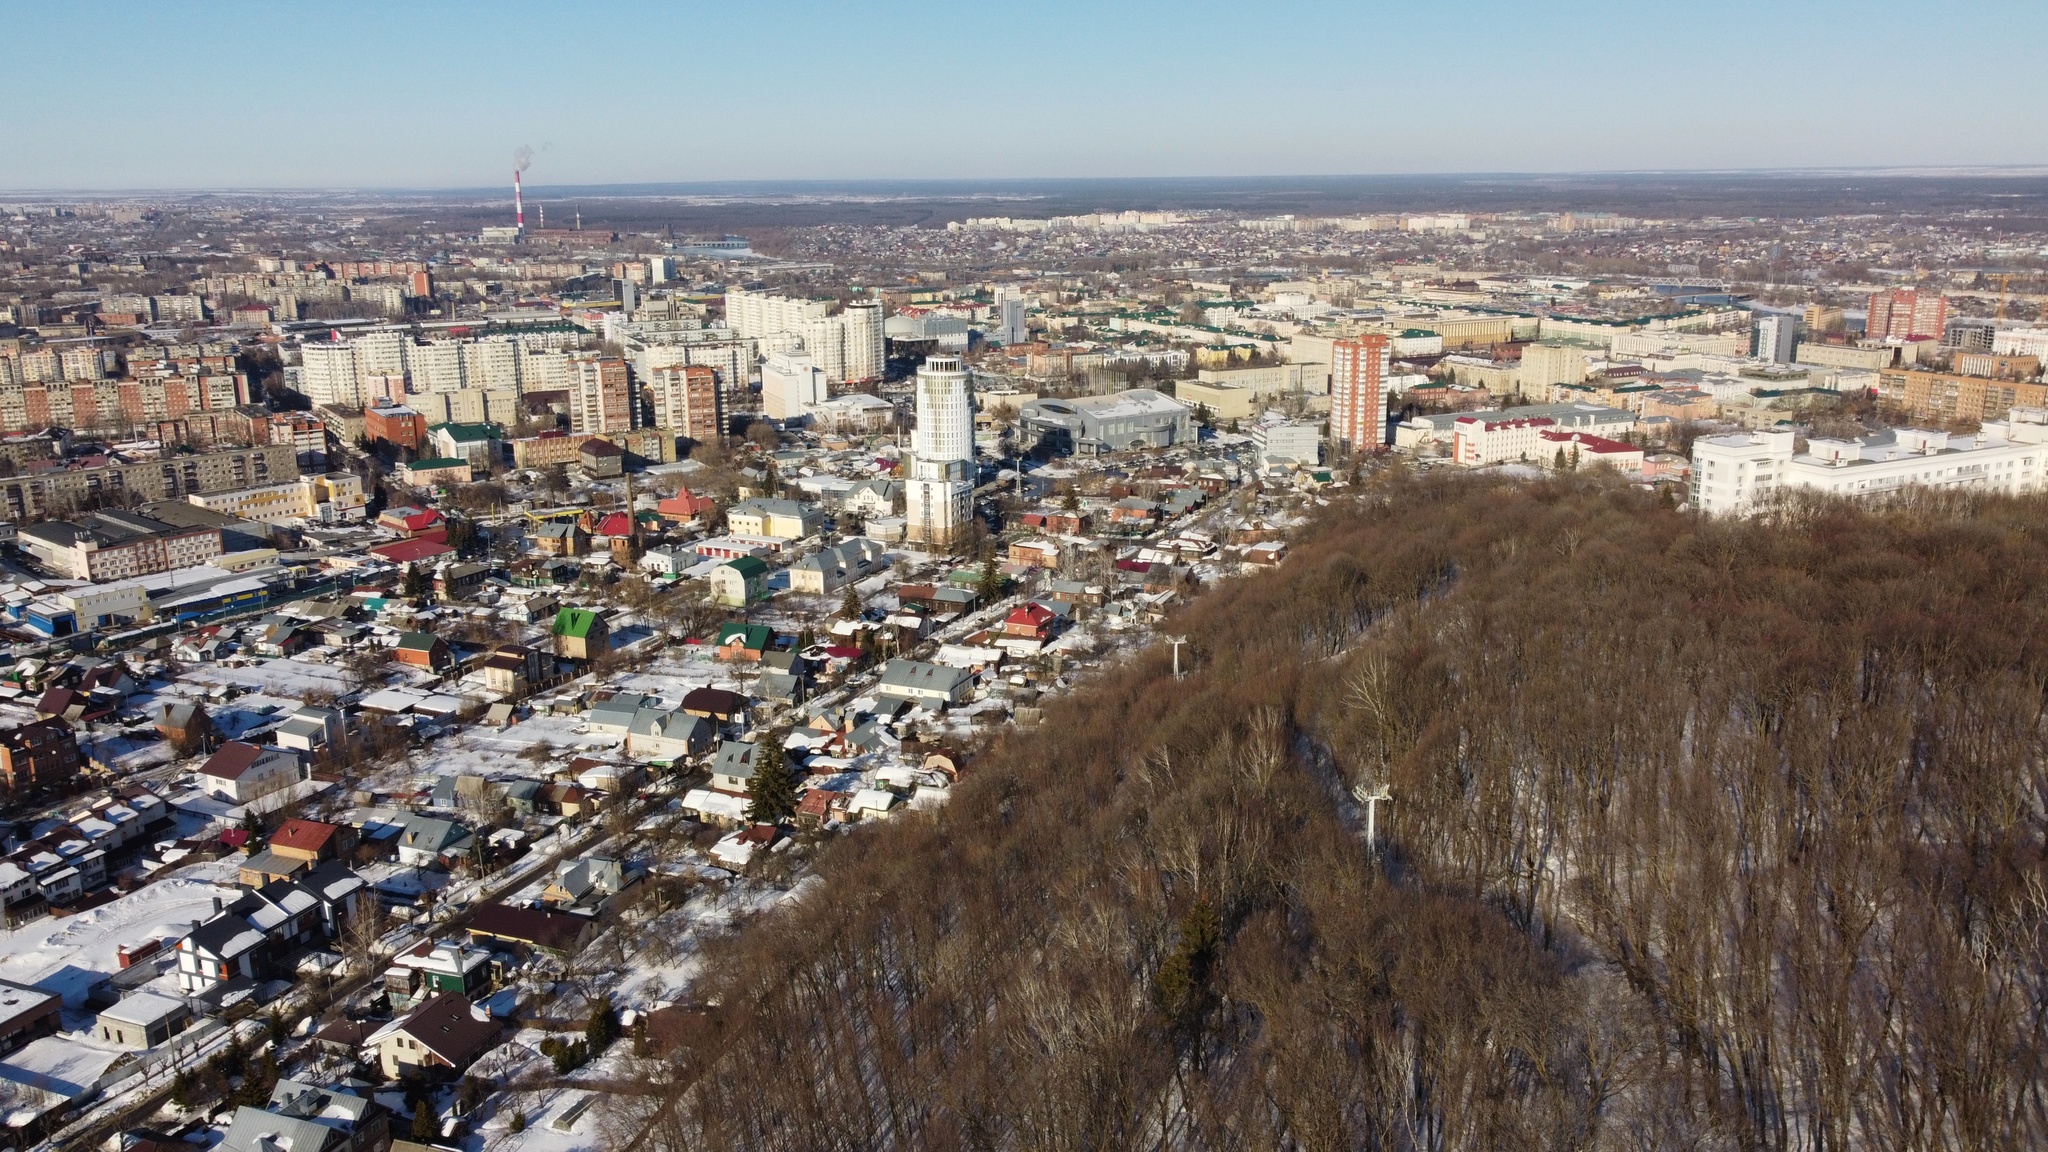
(1704, 835)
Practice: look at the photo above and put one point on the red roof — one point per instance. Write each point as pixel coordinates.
(1035, 615)
(304, 835)
(408, 551)
(1588, 441)
(615, 524)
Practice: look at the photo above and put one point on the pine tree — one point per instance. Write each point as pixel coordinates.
(849, 604)
(603, 1026)
(415, 585)
(771, 795)
(425, 1125)
(990, 585)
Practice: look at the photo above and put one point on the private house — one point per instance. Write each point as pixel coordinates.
(668, 735)
(424, 650)
(932, 685)
(313, 732)
(1035, 554)
(829, 569)
(1031, 622)
(743, 642)
(415, 523)
(427, 842)
(311, 841)
(717, 705)
(438, 968)
(739, 582)
(667, 561)
(871, 498)
(251, 937)
(27, 1014)
(38, 753)
(242, 772)
(732, 770)
(684, 507)
(581, 634)
(142, 1020)
(306, 1117)
(614, 717)
(459, 581)
(185, 725)
(571, 801)
(513, 670)
(782, 519)
(438, 1040)
(531, 929)
(590, 882)
(601, 458)
(561, 538)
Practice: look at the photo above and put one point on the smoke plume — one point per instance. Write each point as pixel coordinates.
(522, 158)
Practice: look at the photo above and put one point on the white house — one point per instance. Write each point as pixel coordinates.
(242, 772)
(829, 569)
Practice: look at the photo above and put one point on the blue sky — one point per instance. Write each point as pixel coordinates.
(426, 94)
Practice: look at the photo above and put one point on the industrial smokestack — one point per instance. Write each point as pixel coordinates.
(520, 159)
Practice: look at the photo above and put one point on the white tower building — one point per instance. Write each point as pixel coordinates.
(791, 385)
(939, 496)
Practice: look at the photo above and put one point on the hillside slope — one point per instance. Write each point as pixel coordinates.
(1703, 835)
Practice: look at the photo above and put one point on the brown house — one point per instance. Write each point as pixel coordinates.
(313, 841)
(424, 650)
(37, 753)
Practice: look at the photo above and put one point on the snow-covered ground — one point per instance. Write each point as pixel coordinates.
(69, 954)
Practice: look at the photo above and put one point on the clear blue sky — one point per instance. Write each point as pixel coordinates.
(430, 94)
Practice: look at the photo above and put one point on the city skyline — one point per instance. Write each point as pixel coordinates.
(384, 97)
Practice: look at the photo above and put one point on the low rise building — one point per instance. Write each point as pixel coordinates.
(1733, 474)
(117, 545)
(1090, 425)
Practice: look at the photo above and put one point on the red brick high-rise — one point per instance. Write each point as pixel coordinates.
(1358, 391)
(1906, 313)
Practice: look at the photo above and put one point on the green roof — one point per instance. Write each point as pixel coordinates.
(754, 636)
(468, 433)
(575, 623)
(417, 641)
(750, 567)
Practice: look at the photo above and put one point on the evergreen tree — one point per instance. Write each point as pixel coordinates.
(1558, 464)
(771, 795)
(990, 585)
(425, 1125)
(849, 604)
(415, 585)
(181, 1089)
(603, 1026)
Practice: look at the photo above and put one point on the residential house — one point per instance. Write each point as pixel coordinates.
(415, 523)
(590, 882)
(424, 650)
(535, 929)
(570, 800)
(312, 841)
(459, 581)
(927, 684)
(313, 732)
(614, 717)
(660, 735)
(141, 1021)
(782, 519)
(829, 569)
(1031, 622)
(581, 634)
(684, 507)
(1035, 553)
(241, 772)
(732, 770)
(514, 670)
(872, 498)
(427, 841)
(601, 458)
(739, 582)
(717, 705)
(448, 967)
(306, 1117)
(561, 538)
(667, 561)
(38, 753)
(185, 725)
(743, 642)
(440, 1039)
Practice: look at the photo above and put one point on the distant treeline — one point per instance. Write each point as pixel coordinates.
(1704, 835)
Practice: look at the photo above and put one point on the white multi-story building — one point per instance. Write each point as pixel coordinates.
(1010, 308)
(791, 384)
(327, 375)
(1482, 439)
(1777, 337)
(939, 495)
(2021, 342)
(434, 367)
(1740, 473)
(847, 344)
(758, 315)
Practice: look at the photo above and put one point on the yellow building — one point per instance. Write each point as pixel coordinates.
(1224, 401)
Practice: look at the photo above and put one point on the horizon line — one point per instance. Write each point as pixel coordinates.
(1926, 171)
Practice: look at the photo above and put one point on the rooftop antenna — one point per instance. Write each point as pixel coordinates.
(1372, 798)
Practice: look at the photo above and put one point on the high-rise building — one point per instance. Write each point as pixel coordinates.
(601, 397)
(939, 494)
(1906, 313)
(684, 399)
(1777, 336)
(1358, 391)
(327, 375)
(848, 344)
(1822, 318)
(791, 384)
(1010, 326)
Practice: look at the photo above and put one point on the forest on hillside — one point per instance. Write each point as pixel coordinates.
(1704, 834)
